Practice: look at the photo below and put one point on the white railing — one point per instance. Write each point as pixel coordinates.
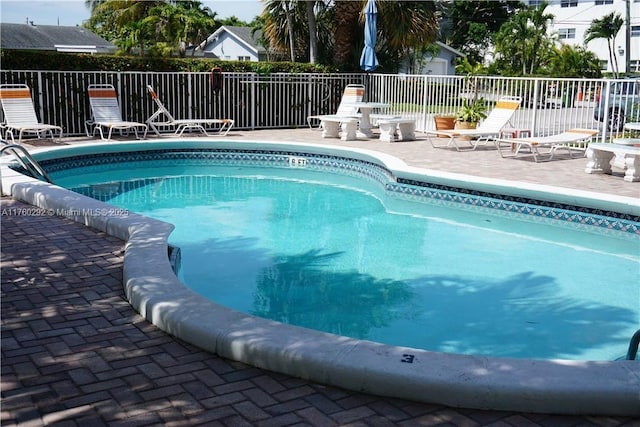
(284, 100)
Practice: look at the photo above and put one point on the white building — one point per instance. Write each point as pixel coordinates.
(573, 18)
(440, 65)
(234, 44)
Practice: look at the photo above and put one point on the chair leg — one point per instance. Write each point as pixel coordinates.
(632, 172)
(407, 131)
(330, 129)
(349, 130)
(387, 130)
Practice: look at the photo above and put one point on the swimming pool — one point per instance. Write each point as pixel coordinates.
(327, 247)
(404, 372)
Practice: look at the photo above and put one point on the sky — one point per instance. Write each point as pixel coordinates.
(74, 12)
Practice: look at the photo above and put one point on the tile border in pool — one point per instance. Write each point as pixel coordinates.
(408, 188)
(546, 386)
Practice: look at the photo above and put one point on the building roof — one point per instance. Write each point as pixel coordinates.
(450, 49)
(243, 34)
(52, 37)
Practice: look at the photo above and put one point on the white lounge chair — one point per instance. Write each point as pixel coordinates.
(181, 125)
(20, 114)
(352, 94)
(106, 113)
(487, 130)
(570, 140)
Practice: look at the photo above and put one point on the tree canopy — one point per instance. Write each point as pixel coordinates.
(157, 28)
(331, 32)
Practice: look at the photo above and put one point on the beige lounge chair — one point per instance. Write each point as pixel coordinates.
(106, 113)
(487, 130)
(20, 114)
(352, 94)
(181, 125)
(570, 140)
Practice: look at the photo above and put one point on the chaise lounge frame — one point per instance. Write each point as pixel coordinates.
(182, 125)
(20, 114)
(106, 114)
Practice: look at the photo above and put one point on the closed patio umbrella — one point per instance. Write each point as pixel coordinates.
(368, 60)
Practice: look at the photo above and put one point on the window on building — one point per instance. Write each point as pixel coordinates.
(635, 31)
(535, 3)
(635, 66)
(598, 2)
(244, 58)
(568, 3)
(567, 33)
(603, 65)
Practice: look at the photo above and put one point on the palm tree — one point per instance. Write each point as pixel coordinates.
(313, 32)
(406, 26)
(151, 26)
(122, 21)
(403, 26)
(282, 23)
(523, 41)
(194, 21)
(539, 20)
(574, 61)
(347, 13)
(607, 28)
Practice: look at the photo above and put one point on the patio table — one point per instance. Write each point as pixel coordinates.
(365, 110)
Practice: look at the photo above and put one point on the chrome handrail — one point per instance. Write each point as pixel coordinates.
(27, 161)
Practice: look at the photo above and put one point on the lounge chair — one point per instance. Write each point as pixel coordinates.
(182, 124)
(570, 140)
(352, 94)
(488, 129)
(20, 114)
(106, 113)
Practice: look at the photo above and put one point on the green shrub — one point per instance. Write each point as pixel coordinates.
(44, 60)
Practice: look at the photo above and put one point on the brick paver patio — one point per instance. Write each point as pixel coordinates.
(74, 353)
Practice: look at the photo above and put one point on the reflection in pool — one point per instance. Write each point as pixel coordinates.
(339, 254)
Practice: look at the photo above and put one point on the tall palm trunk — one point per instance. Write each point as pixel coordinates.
(313, 32)
(287, 13)
(347, 13)
(613, 58)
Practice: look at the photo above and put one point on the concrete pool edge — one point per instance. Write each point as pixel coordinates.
(461, 381)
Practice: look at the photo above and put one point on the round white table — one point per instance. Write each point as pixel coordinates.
(365, 109)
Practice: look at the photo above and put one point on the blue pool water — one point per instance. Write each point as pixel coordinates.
(337, 253)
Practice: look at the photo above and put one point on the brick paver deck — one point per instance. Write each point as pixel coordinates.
(74, 353)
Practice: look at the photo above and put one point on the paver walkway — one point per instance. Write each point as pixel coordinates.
(74, 353)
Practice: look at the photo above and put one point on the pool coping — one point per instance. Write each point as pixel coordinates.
(546, 386)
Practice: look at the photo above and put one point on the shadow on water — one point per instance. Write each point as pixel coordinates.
(302, 290)
(525, 315)
(519, 316)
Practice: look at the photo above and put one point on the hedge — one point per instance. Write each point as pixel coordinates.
(45, 60)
